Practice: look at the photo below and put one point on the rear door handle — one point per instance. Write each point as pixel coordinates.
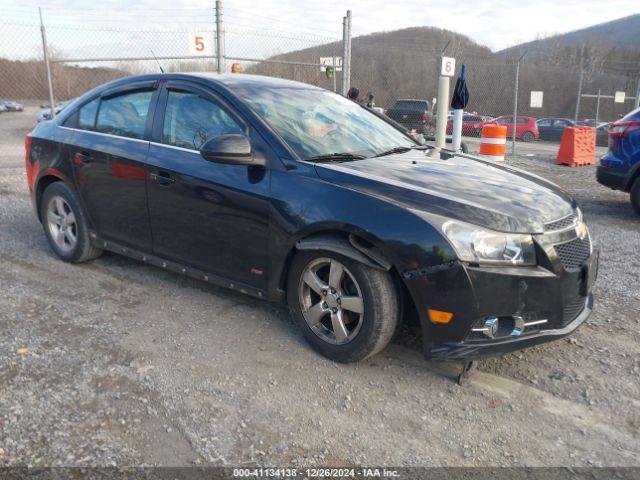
(163, 178)
(82, 158)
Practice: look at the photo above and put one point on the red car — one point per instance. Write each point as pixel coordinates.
(526, 127)
(471, 125)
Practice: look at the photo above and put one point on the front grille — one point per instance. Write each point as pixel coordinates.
(574, 253)
(561, 224)
(572, 310)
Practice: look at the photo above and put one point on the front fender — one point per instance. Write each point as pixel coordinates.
(304, 205)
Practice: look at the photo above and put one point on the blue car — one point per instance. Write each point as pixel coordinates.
(620, 167)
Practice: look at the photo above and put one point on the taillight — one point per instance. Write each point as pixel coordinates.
(31, 171)
(621, 129)
(27, 150)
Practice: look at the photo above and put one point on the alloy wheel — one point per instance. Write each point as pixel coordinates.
(61, 222)
(331, 301)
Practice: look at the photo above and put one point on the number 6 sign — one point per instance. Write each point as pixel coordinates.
(448, 67)
(200, 44)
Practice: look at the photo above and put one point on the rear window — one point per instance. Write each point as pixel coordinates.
(411, 105)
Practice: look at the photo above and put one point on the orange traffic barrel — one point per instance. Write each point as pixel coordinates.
(493, 142)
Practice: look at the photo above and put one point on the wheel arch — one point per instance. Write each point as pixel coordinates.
(346, 240)
(46, 179)
(356, 244)
(634, 175)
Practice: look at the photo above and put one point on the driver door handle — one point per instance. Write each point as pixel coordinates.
(163, 178)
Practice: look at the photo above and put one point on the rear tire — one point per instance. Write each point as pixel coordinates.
(332, 319)
(528, 137)
(65, 225)
(634, 195)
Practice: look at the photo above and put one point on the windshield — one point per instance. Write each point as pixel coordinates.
(317, 122)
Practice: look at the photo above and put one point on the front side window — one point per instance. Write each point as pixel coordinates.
(124, 115)
(190, 120)
(504, 120)
(315, 122)
(87, 115)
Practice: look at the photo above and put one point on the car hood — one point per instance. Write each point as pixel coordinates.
(460, 187)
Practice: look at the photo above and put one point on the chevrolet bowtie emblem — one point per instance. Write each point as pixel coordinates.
(581, 230)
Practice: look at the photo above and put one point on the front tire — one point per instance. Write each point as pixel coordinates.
(65, 225)
(347, 311)
(634, 195)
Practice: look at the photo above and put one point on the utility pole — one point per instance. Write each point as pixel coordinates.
(515, 105)
(47, 67)
(346, 53)
(219, 37)
(575, 118)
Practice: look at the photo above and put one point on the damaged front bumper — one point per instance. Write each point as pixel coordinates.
(532, 304)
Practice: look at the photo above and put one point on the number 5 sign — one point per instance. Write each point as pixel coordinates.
(200, 44)
(448, 67)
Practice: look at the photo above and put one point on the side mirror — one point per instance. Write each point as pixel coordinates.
(229, 149)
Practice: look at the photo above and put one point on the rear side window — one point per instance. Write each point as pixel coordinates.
(190, 120)
(87, 115)
(124, 115)
(544, 123)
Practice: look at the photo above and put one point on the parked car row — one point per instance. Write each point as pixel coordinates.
(10, 106)
(417, 114)
(46, 113)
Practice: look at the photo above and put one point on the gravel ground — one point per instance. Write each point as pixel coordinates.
(118, 363)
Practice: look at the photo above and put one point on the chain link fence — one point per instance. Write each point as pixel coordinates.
(390, 67)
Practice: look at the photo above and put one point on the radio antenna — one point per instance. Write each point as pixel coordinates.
(156, 58)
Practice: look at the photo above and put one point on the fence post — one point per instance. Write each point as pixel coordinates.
(515, 105)
(47, 67)
(442, 103)
(637, 101)
(597, 108)
(346, 53)
(219, 37)
(575, 118)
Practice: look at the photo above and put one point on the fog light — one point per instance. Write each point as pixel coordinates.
(518, 326)
(489, 328)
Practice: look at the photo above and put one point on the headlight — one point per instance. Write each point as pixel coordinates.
(480, 245)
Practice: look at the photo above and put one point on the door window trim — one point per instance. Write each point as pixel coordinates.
(188, 87)
(135, 87)
(110, 135)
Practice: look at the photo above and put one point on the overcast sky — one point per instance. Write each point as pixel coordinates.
(497, 24)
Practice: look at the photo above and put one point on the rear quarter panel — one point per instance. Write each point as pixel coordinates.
(49, 157)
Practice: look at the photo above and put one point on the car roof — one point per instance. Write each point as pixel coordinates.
(229, 80)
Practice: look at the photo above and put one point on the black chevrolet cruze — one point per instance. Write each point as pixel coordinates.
(288, 192)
